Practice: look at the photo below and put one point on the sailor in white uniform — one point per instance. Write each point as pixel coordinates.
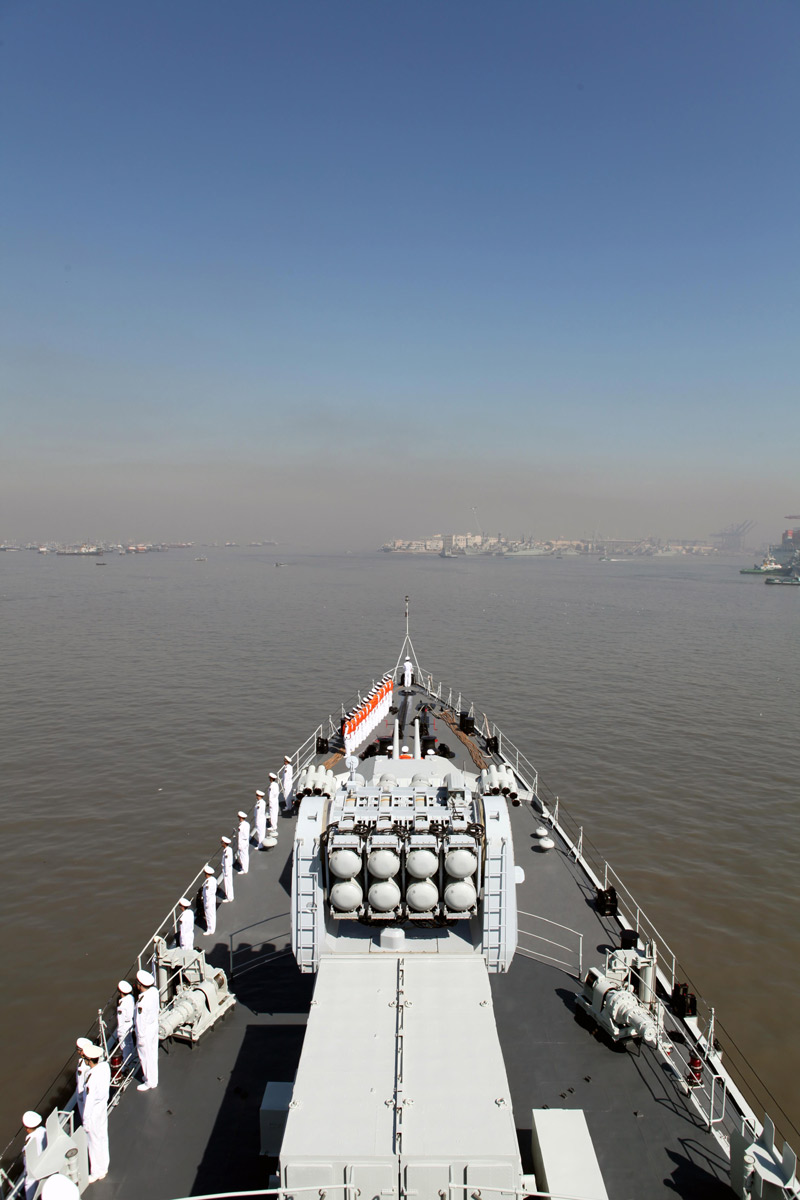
(272, 803)
(186, 924)
(81, 1071)
(243, 842)
(35, 1141)
(288, 780)
(227, 869)
(210, 899)
(146, 1024)
(95, 1113)
(125, 1010)
(260, 819)
(407, 672)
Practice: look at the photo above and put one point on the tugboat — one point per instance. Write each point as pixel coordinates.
(769, 566)
(431, 991)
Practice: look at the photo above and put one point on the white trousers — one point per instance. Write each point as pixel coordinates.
(148, 1057)
(97, 1142)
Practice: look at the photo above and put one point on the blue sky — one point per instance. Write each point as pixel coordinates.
(550, 241)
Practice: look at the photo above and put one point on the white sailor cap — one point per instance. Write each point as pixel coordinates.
(226, 841)
(94, 1052)
(272, 775)
(124, 987)
(58, 1187)
(31, 1119)
(403, 751)
(286, 758)
(185, 902)
(259, 793)
(428, 753)
(82, 1044)
(209, 870)
(145, 978)
(242, 815)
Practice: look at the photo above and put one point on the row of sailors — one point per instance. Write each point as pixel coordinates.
(137, 1021)
(359, 723)
(263, 834)
(137, 1032)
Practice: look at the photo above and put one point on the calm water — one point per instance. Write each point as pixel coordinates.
(143, 702)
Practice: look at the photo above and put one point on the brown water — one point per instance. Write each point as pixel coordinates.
(143, 702)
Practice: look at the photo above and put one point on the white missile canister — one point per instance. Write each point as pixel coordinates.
(460, 895)
(344, 864)
(384, 895)
(383, 863)
(346, 895)
(460, 863)
(422, 896)
(421, 864)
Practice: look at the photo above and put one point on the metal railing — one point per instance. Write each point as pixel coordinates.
(234, 969)
(574, 950)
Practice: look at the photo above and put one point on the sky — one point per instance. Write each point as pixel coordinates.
(338, 271)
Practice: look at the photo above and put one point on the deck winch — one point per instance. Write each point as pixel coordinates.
(193, 994)
(621, 998)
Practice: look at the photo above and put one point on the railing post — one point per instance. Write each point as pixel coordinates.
(580, 955)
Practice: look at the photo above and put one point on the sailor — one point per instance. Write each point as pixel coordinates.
(146, 1024)
(125, 1009)
(272, 803)
(35, 1140)
(288, 778)
(58, 1187)
(407, 673)
(243, 842)
(81, 1071)
(260, 819)
(95, 1113)
(186, 924)
(210, 899)
(227, 869)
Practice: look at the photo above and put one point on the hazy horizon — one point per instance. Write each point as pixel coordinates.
(336, 274)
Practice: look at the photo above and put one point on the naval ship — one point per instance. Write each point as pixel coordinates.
(426, 987)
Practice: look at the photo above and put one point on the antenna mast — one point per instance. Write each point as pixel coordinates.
(407, 644)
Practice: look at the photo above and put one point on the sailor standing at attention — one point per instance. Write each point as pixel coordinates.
(243, 842)
(125, 1008)
(407, 673)
(95, 1113)
(146, 1024)
(227, 869)
(260, 819)
(272, 803)
(186, 924)
(35, 1142)
(210, 899)
(81, 1072)
(288, 780)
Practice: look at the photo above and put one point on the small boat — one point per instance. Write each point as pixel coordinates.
(786, 580)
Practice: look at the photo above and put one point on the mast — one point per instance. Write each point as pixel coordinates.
(408, 645)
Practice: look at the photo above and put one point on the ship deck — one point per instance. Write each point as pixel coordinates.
(198, 1133)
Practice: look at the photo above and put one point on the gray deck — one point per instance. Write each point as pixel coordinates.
(199, 1131)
